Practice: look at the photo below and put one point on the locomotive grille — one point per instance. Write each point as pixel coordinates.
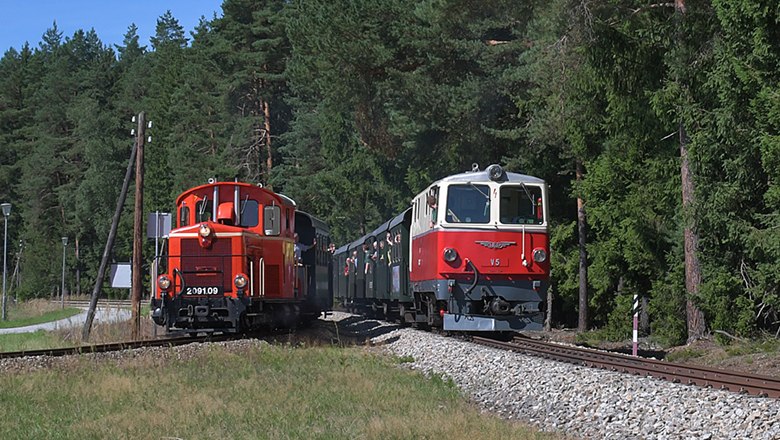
(207, 267)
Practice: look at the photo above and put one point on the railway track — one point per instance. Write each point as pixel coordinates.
(169, 341)
(116, 346)
(763, 386)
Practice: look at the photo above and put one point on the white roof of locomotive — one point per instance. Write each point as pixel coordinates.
(482, 176)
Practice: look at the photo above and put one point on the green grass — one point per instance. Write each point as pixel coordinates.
(49, 316)
(31, 341)
(684, 355)
(270, 392)
(764, 345)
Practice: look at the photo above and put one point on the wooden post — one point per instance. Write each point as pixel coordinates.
(109, 246)
(138, 224)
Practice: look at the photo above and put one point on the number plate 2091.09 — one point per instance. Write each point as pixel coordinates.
(203, 290)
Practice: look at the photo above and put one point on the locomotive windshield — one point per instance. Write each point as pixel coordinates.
(521, 205)
(468, 204)
(249, 213)
(203, 210)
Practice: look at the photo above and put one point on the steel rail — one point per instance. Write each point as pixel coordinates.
(117, 346)
(744, 383)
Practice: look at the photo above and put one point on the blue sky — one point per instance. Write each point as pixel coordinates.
(27, 20)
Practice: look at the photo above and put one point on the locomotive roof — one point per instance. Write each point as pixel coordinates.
(482, 176)
(281, 198)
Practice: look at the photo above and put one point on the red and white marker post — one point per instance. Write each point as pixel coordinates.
(636, 325)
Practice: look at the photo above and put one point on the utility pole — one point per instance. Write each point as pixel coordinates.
(78, 270)
(138, 225)
(62, 293)
(109, 246)
(15, 278)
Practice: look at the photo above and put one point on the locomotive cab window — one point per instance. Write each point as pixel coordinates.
(184, 216)
(249, 213)
(203, 210)
(521, 205)
(468, 204)
(272, 222)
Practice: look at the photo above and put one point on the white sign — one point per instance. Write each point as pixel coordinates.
(121, 275)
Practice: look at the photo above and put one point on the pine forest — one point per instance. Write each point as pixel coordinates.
(656, 125)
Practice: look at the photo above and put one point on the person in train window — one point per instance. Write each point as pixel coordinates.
(433, 206)
(300, 248)
(366, 258)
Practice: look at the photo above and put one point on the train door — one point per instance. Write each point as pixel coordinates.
(352, 274)
(360, 273)
(370, 268)
(399, 263)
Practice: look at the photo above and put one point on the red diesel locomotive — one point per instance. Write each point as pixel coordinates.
(471, 254)
(231, 263)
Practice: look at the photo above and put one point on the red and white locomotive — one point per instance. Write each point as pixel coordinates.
(231, 266)
(471, 254)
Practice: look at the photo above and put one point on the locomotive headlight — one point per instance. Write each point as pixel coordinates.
(495, 172)
(204, 230)
(450, 255)
(164, 282)
(540, 255)
(240, 281)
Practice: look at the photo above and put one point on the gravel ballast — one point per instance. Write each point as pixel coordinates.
(579, 401)
(557, 397)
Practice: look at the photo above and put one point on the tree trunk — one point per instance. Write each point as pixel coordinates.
(697, 325)
(267, 126)
(548, 319)
(581, 230)
(644, 317)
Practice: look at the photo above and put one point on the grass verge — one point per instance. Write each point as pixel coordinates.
(49, 316)
(268, 392)
(31, 341)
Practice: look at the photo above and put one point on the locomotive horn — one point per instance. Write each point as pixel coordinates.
(236, 200)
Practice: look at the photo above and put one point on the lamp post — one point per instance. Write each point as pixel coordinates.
(6, 207)
(64, 244)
